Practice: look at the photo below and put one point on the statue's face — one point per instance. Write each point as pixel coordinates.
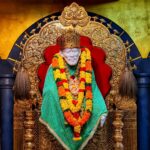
(71, 55)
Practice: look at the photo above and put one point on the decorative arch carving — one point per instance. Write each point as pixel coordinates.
(103, 33)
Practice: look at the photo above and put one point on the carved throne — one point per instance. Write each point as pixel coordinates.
(36, 45)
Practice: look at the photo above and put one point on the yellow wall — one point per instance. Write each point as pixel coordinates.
(131, 15)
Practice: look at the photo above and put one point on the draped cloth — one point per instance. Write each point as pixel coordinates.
(52, 115)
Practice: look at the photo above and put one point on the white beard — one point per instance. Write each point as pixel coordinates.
(71, 55)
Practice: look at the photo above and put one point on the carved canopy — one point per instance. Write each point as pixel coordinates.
(73, 16)
(103, 37)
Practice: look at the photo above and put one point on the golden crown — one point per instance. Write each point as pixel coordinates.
(69, 39)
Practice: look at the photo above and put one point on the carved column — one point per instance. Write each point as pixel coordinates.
(29, 135)
(118, 125)
(143, 111)
(6, 111)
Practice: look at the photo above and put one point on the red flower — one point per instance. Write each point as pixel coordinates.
(62, 70)
(88, 88)
(64, 80)
(59, 83)
(85, 118)
(81, 90)
(67, 90)
(74, 102)
(72, 77)
(83, 69)
(76, 134)
(76, 115)
(70, 119)
(82, 79)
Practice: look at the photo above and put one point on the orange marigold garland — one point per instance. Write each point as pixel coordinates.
(74, 113)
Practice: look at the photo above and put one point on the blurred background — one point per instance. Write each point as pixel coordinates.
(132, 15)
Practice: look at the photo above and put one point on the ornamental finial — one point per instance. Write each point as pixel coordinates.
(74, 15)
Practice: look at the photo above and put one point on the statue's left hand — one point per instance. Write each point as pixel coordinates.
(103, 119)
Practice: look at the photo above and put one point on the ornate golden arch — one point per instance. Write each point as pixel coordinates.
(74, 16)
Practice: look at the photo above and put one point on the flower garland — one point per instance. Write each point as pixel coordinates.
(73, 110)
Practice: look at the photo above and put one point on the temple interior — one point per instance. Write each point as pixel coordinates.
(116, 33)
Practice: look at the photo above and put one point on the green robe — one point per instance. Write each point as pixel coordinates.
(52, 115)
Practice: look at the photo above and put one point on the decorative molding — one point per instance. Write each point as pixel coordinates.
(74, 15)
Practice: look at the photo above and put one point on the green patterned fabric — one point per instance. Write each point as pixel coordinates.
(52, 115)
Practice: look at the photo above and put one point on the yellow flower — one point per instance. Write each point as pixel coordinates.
(63, 76)
(69, 98)
(64, 104)
(88, 80)
(77, 129)
(57, 74)
(88, 75)
(61, 62)
(82, 74)
(82, 85)
(77, 138)
(89, 104)
(80, 95)
(83, 57)
(66, 86)
(88, 54)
